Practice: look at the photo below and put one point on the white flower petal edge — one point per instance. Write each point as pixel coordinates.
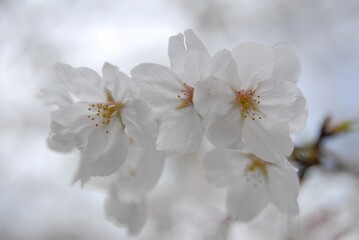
(140, 173)
(283, 102)
(58, 140)
(283, 187)
(124, 212)
(189, 57)
(252, 183)
(299, 122)
(181, 131)
(287, 65)
(224, 67)
(213, 96)
(224, 130)
(255, 62)
(121, 85)
(159, 86)
(141, 125)
(70, 127)
(244, 201)
(104, 154)
(268, 139)
(55, 95)
(222, 168)
(84, 83)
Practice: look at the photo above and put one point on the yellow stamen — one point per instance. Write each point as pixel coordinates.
(259, 164)
(187, 96)
(247, 102)
(105, 112)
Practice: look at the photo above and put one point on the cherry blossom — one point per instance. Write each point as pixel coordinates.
(252, 183)
(103, 116)
(170, 92)
(250, 101)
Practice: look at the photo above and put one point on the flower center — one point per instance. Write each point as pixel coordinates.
(103, 113)
(248, 103)
(186, 96)
(257, 164)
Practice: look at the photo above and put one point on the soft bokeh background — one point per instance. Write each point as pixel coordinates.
(36, 198)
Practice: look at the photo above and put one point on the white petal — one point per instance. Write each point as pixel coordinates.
(224, 167)
(224, 66)
(82, 82)
(297, 123)
(281, 102)
(131, 214)
(177, 53)
(213, 96)
(72, 116)
(104, 154)
(59, 140)
(287, 65)
(159, 85)
(82, 137)
(139, 122)
(117, 82)
(255, 62)
(199, 65)
(239, 145)
(149, 169)
(189, 59)
(283, 187)
(141, 172)
(246, 199)
(267, 139)
(70, 123)
(225, 130)
(56, 96)
(180, 131)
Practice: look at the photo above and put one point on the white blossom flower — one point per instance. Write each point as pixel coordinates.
(126, 202)
(101, 119)
(252, 183)
(250, 101)
(170, 92)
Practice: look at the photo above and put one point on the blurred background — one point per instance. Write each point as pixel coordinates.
(36, 198)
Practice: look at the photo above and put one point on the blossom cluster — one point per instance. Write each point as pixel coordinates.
(244, 101)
